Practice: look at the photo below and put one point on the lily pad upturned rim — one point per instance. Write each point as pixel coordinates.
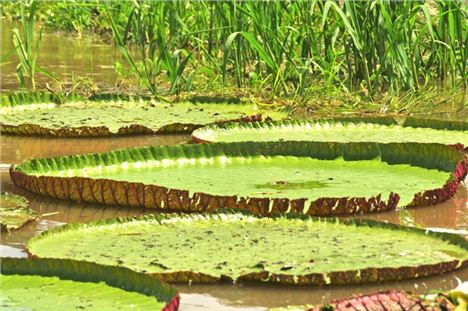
(366, 275)
(84, 271)
(22, 203)
(199, 135)
(31, 129)
(137, 194)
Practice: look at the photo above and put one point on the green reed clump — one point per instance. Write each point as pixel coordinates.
(287, 47)
(284, 46)
(27, 48)
(153, 50)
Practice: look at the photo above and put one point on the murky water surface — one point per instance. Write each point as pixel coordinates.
(70, 57)
(65, 56)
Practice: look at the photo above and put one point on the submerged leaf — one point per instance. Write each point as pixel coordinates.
(14, 211)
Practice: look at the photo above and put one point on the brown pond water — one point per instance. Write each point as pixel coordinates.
(66, 56)
(452, 214)
(71, 57)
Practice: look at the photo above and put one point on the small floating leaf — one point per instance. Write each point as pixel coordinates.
(14, 211)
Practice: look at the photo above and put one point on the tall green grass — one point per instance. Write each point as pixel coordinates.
(289, 47)
(154, 53)
(285, 46)
(27, 48)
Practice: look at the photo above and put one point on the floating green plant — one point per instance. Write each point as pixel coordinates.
(113, 115)
(353, 129)
(306, 250)
(14, 211)
(45, 284)
(316, 178)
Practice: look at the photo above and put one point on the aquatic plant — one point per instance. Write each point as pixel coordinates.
(28, 49)
(105, 115)
(147, 28)
(184, 248)
(14, 211)
(43, 283)
(387, 300)
(315, 178)
(340, 129)
(282, 47)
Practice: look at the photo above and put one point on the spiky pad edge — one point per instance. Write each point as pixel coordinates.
(197, 135)
(367, 275)
(123, 193)
(83, 271)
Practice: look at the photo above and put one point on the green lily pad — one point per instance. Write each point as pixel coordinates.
(100, 116)
(306, 250)
(45, 284)
(266, 177)
(14, 211)
(384, 130)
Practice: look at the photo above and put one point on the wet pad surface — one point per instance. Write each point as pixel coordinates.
(277, 177)
(331, 131)
(27, 292)
(117, 114)
(193, 243)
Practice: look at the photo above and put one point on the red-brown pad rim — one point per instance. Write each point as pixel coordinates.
(107, 191)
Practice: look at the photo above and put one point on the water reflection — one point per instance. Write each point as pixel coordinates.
(452, 214)
(66, 56)
(16, 149)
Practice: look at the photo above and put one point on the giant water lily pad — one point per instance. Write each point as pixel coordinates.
(14, 211)
(384, 301)
(49, 284)
(266, 178)
(356, 129)
(100, 116)
(306, 250)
